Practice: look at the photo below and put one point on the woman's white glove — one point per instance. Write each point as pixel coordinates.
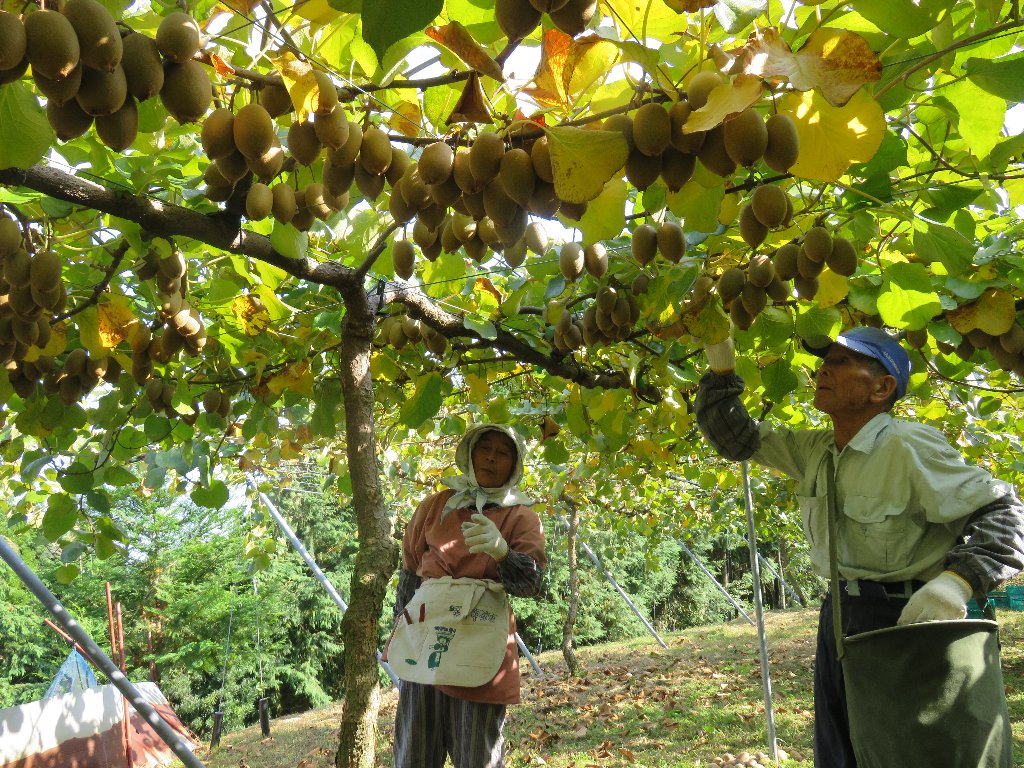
(721, 356)
(941, 599)
(482, 535)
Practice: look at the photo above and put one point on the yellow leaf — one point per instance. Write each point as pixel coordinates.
(584, 161)
(252, 314)
(406, 118)
(459, 41)
(832, 289)
(833, 138)
(114, 319)
(56, 345)
(836, 62)
(316, 11)
(549, 81)
(993, 312)
(478, 387)
(726, 100)
(298, 79)
(710, 324)
(591, 57)
(295, 378)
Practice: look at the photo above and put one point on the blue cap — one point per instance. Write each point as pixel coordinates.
(877, 344)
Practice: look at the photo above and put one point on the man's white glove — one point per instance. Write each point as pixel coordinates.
(482, 535)
(941, 599)
(721, 356)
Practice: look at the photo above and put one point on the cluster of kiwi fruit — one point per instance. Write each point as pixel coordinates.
(1006, 349)
(574, 260)
(31, 293)
(217, 402)
(79, 375)
(400, 330)
(182, 327)
(518, 18)
(611, 316)
(90, 74)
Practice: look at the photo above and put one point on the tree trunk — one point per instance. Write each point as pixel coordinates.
(375, 561)
(574, 594)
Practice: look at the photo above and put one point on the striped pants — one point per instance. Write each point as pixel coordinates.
(430, 725)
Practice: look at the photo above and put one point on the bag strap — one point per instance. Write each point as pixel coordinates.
(833, 558)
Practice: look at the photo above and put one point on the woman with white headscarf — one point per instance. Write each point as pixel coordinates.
(479, 531)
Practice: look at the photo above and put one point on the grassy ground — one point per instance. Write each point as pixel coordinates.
(638, 704)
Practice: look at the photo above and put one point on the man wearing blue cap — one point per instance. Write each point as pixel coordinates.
(920, 531)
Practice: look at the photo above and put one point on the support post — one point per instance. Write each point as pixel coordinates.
(97, 657)
(766, 678)
(526, 652)
(771, 569)
(611, 580)
(693, 556)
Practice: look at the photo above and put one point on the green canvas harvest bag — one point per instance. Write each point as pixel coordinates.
(924, 695)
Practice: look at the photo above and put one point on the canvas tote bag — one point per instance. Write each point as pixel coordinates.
(453, 632)
(922, 695)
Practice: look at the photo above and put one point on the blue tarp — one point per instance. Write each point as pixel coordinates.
(74, 674)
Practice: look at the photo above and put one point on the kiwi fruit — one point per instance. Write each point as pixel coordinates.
(486, 231)
(476, 249)
(605, 298)
(752, 231)
(399, 209)
(515, 230)
(332, 128)
(778, 290)
(652, 129)
(642, 170)
(785, 261)
(102, 93)
(232, 167)
(436, 162)
(400, 163)
(595, 259)
(806, 287)
(746, 137)
(754, 299)
(517, 175)
(60, 91)
(275, 98)
(731, 283)
(741, 318)
(572, 211)
(253, 130)
(644, 244)
(374, 152)
(485, 156)
(640, 284)
(671, 243)
(713, 154)
(445, 193)
(326, 93)
(807, 268)
(770, 205)
(463, 227)
(369, 185)
(783, 146)
(497, 204)
(51, 44)
(516, 18)
(338, 178)
(432, 215)
(10, 237)
(700, 87)
(843, 258)
(217, 134)
(403, 256)
(688, 143)
(917, 338)
(760, 271)
(143, 69)
(44, 271)
(677, 168)
(12, 40)
(303, 142)
(817, 244)
(259, 202)
(14, 73)
(178, 37)
(118, 130)
(570, 261)
(535, 238)
(544, 202)
(624, 125)
(515, 254)
(284, 206)
(573, 17)
(187, 91)
(474, 205)
(540, 154)
(16, 268)
(98, 38)
(413, 190)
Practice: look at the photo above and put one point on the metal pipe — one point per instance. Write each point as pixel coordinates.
(771, 569)
(611, 580)
(96, 655)
(311, 563)
(526, 652)
(714, 581)
(762, 639)
(126, 719)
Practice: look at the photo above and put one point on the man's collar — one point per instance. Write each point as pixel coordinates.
(865, 439)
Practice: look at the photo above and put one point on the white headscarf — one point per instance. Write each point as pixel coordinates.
(468, 492)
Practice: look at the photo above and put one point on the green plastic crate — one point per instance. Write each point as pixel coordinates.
(1015, 594)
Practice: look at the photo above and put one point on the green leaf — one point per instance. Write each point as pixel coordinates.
(778, 380)
(555, 451)
(981, 116)
(946, 245)
(907, 299)
(213, 496)
(443, 277)
(288, 241)
(157, 427)
(25, 133)
(117, 476)
(388, 21)
(104, 546)
(67, 573)
(485, 328)
(77, 478)
(697, 206)
(900, 18)
(72, 552)
(1002, 77)
(815, 324)
(30, 469)
(734, 15)
(424, 403)
(605, 217)
(60, 516)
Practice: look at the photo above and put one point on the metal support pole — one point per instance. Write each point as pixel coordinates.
(766, 678)
(96, 655)
(692, 555)
(611, 580)
(526, 652)
(771, 569)
(317, 573)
